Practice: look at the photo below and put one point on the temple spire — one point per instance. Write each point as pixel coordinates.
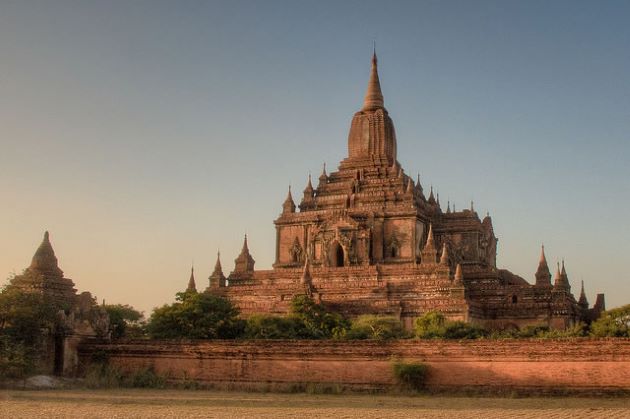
(217, 279)
(543, 276)
(288, 206)
(244, 263)
(44, 259)
(192, 287)
(373, 95)
(459, 276)
(582, 300)
(429, 252)
(444, 257)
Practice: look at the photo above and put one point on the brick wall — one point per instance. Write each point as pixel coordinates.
(575, 363)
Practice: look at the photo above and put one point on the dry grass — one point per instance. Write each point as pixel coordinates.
(206, 404)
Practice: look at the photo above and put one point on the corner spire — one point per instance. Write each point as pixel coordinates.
(583, 301)
(217, 279)
(288, 206)
(444, 257)
(459, 276)
(373, 96)
(429, 252)
(543, 276)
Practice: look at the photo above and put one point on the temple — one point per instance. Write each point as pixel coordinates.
(367, 240)
(78, 315)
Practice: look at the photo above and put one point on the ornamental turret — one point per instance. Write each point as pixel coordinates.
(543, 276)
(429, 252)
(192, 287)
(217, 279)
(561, 280)
(244, 263)
(583, 302)
(444, 258)
(288, 206)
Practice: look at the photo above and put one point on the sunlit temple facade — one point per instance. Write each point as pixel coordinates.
(366, 239)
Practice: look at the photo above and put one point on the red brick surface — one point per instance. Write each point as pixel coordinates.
(576, 363)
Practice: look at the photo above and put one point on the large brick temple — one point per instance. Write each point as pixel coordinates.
(367, 240)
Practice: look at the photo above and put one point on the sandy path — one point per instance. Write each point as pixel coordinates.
(200, 404)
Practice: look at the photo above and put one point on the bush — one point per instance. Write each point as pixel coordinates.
(462, 330)
(272, 327)
(376, 327)
(434, 325)
(196, 316)
(613, 323)
(125, 321)
(411, 375)
(314, 321)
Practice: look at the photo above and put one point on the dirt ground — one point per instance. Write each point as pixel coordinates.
(207, 404)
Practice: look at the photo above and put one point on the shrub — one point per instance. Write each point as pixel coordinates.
(272, 327)
(375, 327)
(315, 321)
(430, 325)
(411, 375)
(125, 321)
(463, 330)
(613, 323)
(196, 316)
(434, 325)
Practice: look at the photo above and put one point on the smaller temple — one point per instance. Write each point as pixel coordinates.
(78, 316)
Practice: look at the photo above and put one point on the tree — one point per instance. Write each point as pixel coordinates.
(25, 317)
(272, 327)
(316, 321)
(614, 323)
(434, 324)
(430, 325)
(125, 321)
(376, 327)
(196, 316)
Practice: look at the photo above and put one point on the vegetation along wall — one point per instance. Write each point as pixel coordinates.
(580, 363)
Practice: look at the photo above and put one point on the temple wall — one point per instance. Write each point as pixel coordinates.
(561, 364)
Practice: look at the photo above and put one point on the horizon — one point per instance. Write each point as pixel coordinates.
(147, 136)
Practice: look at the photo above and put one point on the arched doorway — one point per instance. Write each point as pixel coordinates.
(336, 255)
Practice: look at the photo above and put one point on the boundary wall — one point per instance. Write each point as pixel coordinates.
(580, 363)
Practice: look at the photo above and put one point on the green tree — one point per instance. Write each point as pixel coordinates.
(614, 323)
(376, 327)
(196, 316)
(430, 325)
(125, 321)
(434, 324)
(316, 321)
(272, 327)
(25, 318)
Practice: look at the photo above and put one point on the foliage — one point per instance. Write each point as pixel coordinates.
(412, 375)
(125, 321)
(541, 331)
(103, 375)
(272, 327)
(433, 325)
(614, 323)
(196, 316)
(430, 325)
(376, 327)
(315, 320)
(25, 318)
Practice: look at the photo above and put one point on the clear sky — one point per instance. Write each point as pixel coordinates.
(148, 134)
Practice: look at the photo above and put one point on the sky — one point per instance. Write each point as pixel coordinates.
(146, 135)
